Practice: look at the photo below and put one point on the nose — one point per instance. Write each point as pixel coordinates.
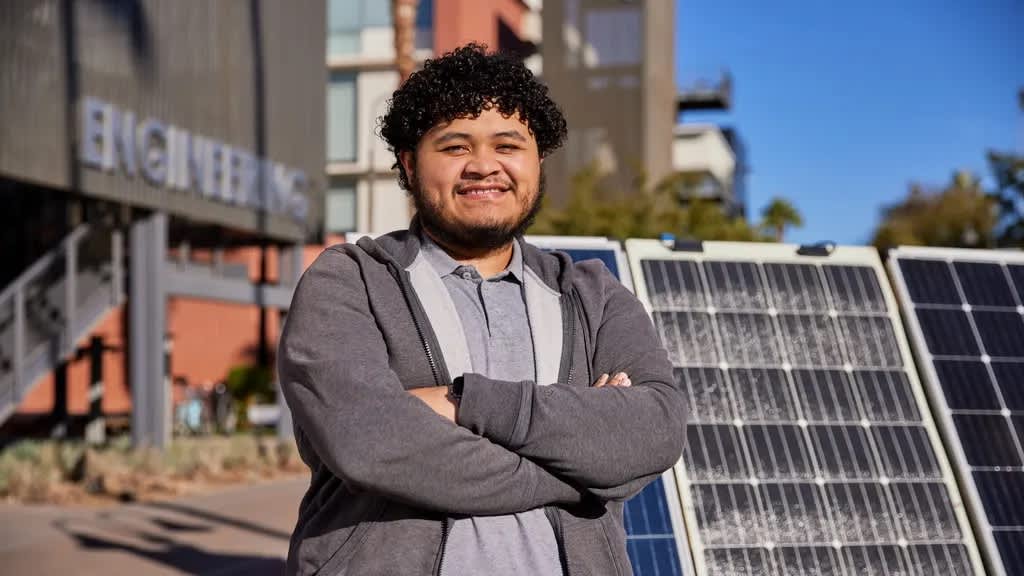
(481, 164)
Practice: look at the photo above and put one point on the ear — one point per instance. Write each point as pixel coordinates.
(408, 160)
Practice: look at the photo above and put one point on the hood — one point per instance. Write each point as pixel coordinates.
(401, 247)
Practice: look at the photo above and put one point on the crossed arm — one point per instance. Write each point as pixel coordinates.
(437, 399)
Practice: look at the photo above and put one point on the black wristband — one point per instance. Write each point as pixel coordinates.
(455, 388)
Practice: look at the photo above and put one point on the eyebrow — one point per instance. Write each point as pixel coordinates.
(513, 134)
(449, 136)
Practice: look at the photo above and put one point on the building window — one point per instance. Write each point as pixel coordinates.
(347, 18)
(340, 207)
(425, 25)
(341, 117)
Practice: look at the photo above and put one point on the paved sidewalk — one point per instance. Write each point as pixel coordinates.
(238, 530)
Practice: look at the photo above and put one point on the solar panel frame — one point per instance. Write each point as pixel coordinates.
(668, 481)
(639, 250)
(984, 530)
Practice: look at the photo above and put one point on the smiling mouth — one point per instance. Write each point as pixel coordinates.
(483, 191)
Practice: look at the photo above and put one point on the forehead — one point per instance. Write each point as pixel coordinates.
(488, 123)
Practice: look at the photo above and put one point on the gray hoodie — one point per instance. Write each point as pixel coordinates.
(388, 474)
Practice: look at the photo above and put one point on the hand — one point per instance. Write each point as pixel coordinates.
(436, 397)
(620, 380)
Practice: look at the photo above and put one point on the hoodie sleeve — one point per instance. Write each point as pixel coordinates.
(609, 440)
(371, 433)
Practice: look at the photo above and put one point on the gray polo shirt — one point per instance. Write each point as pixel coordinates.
(497, 329)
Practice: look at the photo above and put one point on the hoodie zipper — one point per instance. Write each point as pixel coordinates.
(565, 371)
(556, 524)
(437, 368)
(446, 525)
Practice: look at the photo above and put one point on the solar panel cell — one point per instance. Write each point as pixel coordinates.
(1016, 273)
(967, 385)
(762, 394)
(811, 340)
(778, 452)
(886, 396)
(716, 453)
(1010, 379)
(930, 282)
(1011, 548)
(809, 561)
(826, 396)
(688, 337)
(749, 339)
(843, 452)
(1002, 494)
(948, 332)
(854, 289)
(796, 288)
(905, 453)
(735, 286)
(870, 342)
(1002, 333)
(987, 439)
(984, 284)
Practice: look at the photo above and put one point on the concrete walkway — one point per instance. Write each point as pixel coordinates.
(239, 530)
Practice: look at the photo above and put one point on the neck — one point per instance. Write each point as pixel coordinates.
(488, 262)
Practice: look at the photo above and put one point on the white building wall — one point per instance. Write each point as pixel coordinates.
(374, 89)
(381, 205)
(703, 149)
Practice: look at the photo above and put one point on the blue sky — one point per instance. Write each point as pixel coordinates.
(842, 104)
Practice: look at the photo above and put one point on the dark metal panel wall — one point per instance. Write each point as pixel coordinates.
(248, 73)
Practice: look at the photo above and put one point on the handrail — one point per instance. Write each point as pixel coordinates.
(44, 262)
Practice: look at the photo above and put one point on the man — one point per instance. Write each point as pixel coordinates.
(440, 377)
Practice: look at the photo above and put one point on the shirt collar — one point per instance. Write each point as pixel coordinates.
(445, 265)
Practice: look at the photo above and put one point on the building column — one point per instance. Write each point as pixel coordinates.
(147, 309)
(291, 270)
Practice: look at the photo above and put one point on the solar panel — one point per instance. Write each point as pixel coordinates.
(588, 247)
(810, 449)
(654, 533)
(964, 315)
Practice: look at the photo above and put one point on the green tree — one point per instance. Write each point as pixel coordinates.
(1008, 171)
(778, 215)
(646, 212)
(959, 215)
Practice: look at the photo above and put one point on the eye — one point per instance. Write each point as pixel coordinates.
(454, 148)
(507, 147)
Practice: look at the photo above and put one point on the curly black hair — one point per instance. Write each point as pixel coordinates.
(462, 84)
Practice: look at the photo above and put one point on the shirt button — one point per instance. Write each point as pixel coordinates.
(467, 275)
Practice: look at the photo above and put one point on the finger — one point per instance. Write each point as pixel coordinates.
(618, 379)
(626, 383)
(601, 381)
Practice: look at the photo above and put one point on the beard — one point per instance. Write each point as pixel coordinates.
(475, 237)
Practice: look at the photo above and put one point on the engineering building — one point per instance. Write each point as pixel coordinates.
(161, 166)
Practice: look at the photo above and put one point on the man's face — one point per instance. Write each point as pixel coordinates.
(476, 182)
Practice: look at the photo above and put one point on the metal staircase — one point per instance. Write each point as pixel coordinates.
(53, 304)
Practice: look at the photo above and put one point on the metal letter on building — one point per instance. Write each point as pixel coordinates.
(153, 151)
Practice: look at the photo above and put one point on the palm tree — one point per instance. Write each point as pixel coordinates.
(780, 214)
(403, 18)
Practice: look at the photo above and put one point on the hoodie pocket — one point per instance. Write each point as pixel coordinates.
(350, 545)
